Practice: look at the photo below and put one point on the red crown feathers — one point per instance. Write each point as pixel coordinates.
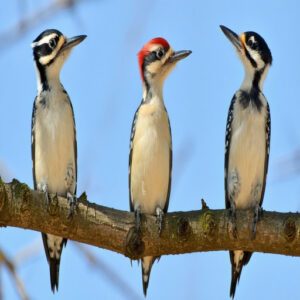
(146, 50)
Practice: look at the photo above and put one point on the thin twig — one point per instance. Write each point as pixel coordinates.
(10, 266)
(26, 23)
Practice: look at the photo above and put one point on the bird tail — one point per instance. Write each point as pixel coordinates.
(54, 273)
(235, 277)
(53, 246)
(147, 263)
(238, 260)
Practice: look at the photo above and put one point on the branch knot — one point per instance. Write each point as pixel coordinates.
(289, 229)
(134, 246)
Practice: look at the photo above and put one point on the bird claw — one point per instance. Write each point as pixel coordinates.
(137, 213)
(73, 203)
(47, 198)
(159, 218)
(44, 189)
(232, 222)
(257, 216)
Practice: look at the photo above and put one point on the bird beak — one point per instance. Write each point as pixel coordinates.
(71, 42)
(233, 38)
(178, 55)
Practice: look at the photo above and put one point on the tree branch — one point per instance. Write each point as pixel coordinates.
(183, 232)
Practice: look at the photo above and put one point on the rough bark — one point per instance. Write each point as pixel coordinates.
(112, 229)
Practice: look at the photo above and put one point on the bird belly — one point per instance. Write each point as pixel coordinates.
(54, 151)
(247, 161)
(150, 168)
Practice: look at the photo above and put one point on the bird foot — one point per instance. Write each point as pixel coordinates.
(73, 204)
(137, 214)
(47, 198)
(159, 218)
(232, 222)
(257, 216)
(44, 189)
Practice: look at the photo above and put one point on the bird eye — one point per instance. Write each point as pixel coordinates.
(52, 43)
(252, 44)
(160, 53)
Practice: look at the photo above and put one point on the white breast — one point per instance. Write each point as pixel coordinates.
(247, 155)
(54, 144)
(151, 158)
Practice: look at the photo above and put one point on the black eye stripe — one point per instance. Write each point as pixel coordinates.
(46, 48)
(151, 57)
(43, 50)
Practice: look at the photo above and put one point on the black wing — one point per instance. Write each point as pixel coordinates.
(227, 146)
(268, 141)
(33, 142)
(75, 140)
(131, 153)
(75, 143)
(170, 170)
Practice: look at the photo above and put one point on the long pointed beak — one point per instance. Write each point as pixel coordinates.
(71, 42)
(178, 55)
(233, 37)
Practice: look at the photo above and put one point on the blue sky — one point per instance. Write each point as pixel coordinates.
(102, 79)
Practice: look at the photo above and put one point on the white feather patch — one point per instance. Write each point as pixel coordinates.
(54, 143)
(151, 158)
(247, 154)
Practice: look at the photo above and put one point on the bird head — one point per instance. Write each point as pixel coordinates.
(251, 47)
(157, 59)
(51, 48)
(252, 50)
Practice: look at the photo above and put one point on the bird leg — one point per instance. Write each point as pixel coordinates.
(44, 189)
(256, 217)
(72, 199)
(232, 220)
(159, 218)
(137, 214)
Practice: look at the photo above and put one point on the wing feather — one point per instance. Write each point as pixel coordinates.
(227, 147)
(133, 127)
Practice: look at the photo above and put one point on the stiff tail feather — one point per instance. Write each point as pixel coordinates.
(238, 260)
(53, 248)
(54, 273)
(147, 263)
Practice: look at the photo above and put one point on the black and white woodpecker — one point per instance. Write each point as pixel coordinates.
(247, 144)
(54, 147)
(150, 158)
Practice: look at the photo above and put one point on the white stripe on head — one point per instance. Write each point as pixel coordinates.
(47, 58)
(256, 57)
(44, 40)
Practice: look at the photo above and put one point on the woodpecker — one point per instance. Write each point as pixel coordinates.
(247, 143)
(150, 158)
(53, 134)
